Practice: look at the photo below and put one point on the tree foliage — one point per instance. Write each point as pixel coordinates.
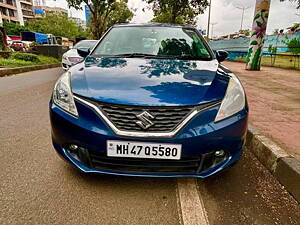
(56, 24)
(121, 14)
(104, 13)
(14, 28)
(177, 11)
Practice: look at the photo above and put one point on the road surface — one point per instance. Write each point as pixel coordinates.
(37, 187)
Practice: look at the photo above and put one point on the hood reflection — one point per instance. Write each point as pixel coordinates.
(140, 81)
(105, 62)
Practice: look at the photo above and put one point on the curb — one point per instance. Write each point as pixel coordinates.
(12, 71)
(284, 167)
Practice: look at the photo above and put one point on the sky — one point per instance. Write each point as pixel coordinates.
(224, 14)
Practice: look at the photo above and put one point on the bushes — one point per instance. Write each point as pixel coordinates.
(26, 57)
(18, 59)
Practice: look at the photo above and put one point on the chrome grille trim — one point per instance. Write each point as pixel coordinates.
(170, 134)
(125, 117)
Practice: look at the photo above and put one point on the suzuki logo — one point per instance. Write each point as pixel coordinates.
(145, 121)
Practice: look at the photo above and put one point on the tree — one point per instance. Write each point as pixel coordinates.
(177, 11)
(121, 14)
(104, 13)
(4, 38)
(297, 1)
(56, 24)
(14, 28)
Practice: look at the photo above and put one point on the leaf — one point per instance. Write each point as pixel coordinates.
(249, 55)
(256, 60)
(254, 43)
(254, 33)
(258, 23)
(256, 16)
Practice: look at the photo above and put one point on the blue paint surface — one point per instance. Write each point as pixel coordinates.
(148, 82)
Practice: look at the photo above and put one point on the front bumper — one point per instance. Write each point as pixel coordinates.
(200, 139)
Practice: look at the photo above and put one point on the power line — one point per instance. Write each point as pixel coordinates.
(243, 8)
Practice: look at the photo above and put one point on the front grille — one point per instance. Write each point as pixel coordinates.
(124, 117)
(165, 118)
(184, 165)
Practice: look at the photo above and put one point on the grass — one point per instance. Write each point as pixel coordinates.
(12, 63)
(281, 61)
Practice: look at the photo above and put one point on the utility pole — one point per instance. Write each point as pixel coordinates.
(208, 23)
(243, 8)
(212, 29)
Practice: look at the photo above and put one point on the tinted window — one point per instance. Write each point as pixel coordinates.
(157, 41)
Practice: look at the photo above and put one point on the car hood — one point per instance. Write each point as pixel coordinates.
(71, 53)
(149, 82)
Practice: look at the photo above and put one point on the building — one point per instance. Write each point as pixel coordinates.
(79, 22)
(56, 10)
(16, 11)
(27, 9)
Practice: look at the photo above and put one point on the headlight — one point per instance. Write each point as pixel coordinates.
(75, 59)
(234, 100)
(62, 94)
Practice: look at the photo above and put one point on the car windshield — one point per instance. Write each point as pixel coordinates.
(161, 42)
(85, 44)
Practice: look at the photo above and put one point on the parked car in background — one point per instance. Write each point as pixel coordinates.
(17, 46)
(150, 100)
(71, 57)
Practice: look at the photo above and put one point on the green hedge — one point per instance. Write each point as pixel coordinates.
(25, 56)
(20, 59)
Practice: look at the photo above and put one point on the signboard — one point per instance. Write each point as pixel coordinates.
(87, 13)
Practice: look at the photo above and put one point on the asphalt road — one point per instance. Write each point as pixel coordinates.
(37, 187)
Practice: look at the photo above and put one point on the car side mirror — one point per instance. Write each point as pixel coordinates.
(221, 55)
(83, 52)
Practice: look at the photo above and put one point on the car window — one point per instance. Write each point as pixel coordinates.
(85, 44)
(157, 41)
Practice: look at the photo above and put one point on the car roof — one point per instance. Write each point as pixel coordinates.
(153, 25)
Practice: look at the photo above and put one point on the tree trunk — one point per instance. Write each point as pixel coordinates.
(96, 27)
(259, 27)
(173, 16)
(4, 38)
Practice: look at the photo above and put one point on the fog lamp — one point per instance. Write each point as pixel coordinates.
(220, 153)
(73, 147)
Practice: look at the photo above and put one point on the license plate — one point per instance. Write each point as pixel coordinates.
(143, 150)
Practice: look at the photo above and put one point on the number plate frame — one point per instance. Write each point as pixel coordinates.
(145, 150)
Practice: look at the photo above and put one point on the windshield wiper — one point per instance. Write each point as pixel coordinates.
(191, 57)
(134, 55)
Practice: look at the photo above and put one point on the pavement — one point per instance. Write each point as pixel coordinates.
(274, 100)
(37, 187)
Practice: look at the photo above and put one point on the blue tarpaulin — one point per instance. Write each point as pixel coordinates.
(33, 36)
(38, 11)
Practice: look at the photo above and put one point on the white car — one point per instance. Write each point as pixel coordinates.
(71, 57)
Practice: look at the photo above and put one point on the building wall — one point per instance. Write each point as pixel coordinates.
(27, 9)
(16, 10)
(57, 10)
(239, 47)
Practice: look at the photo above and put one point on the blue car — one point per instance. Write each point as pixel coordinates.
(149, 100)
